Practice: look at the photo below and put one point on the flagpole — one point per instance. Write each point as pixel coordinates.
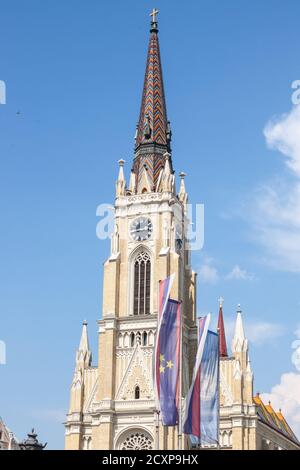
(157, 431)
(180, 382)
(155, 365)
(218, 422)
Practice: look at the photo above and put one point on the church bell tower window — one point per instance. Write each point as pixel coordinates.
(142, 279)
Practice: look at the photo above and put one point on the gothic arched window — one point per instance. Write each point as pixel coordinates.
(142, 279)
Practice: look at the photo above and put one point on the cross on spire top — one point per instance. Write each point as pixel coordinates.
(154, 14)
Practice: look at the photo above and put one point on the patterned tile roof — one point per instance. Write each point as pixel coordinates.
(153, 135)
(153, 122)
(276, 420)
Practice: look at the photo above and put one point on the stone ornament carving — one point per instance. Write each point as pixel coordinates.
(225, 391)
(135, 375)
(115, 241)
(137, 441)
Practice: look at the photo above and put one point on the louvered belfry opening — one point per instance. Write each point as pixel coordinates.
(142, 280)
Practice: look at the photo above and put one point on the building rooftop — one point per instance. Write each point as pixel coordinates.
(276, 420)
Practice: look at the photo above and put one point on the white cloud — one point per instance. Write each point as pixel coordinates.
(208, 273)
(258, 332)
(286, 395)
(275, 215)
(261, 332)
(296, 348)
(239, 274)
(283, 134)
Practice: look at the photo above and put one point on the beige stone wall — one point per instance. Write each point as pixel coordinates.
(72, 442)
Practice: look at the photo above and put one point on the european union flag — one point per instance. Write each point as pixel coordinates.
(167, 363)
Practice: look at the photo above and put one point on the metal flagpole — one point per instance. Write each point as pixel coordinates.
(181, 349)
(180, 381)
(157, 412)
(157, 431)
(218, 422)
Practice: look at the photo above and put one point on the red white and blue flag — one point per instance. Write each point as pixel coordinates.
(201, 408)
(167, 355)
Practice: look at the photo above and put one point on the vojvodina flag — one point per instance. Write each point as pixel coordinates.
(167, 363)
(201, 415)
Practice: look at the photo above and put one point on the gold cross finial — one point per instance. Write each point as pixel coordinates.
(153, 14)
(221, 301)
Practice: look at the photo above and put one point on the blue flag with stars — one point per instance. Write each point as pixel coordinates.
(167, 363)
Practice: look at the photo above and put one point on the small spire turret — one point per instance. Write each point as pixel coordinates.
(221, 331)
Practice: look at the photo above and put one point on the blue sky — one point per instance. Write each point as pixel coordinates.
(74, 73)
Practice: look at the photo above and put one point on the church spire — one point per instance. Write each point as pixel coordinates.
(239, 344)
(153, 124)
(239, 335)
(153, 134)
(221, 331)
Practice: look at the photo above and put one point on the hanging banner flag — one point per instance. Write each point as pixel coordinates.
(201, 409)
(209, 391)
(166, 374)
(164, 294)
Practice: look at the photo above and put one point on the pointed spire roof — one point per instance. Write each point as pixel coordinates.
(239, 342)
(121, 176)
(153, 126)
(83, 354)
(239, 328)
(221, 331)
(153, 134)
(84, 341)
(121, 183)
(183, 197)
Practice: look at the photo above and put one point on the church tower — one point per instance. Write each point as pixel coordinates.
(112, 406)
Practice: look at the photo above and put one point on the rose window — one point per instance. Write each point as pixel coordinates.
(137, 441)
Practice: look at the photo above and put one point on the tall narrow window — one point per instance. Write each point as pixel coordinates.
(137, 393)
(142, 284)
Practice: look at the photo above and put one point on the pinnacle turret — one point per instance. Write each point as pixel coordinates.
(84, 355)
(221, 331)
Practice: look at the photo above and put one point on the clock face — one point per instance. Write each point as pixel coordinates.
(141, 229)
(178, 238)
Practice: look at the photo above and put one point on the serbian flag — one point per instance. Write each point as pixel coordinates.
(166, 374)
(201, 410)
